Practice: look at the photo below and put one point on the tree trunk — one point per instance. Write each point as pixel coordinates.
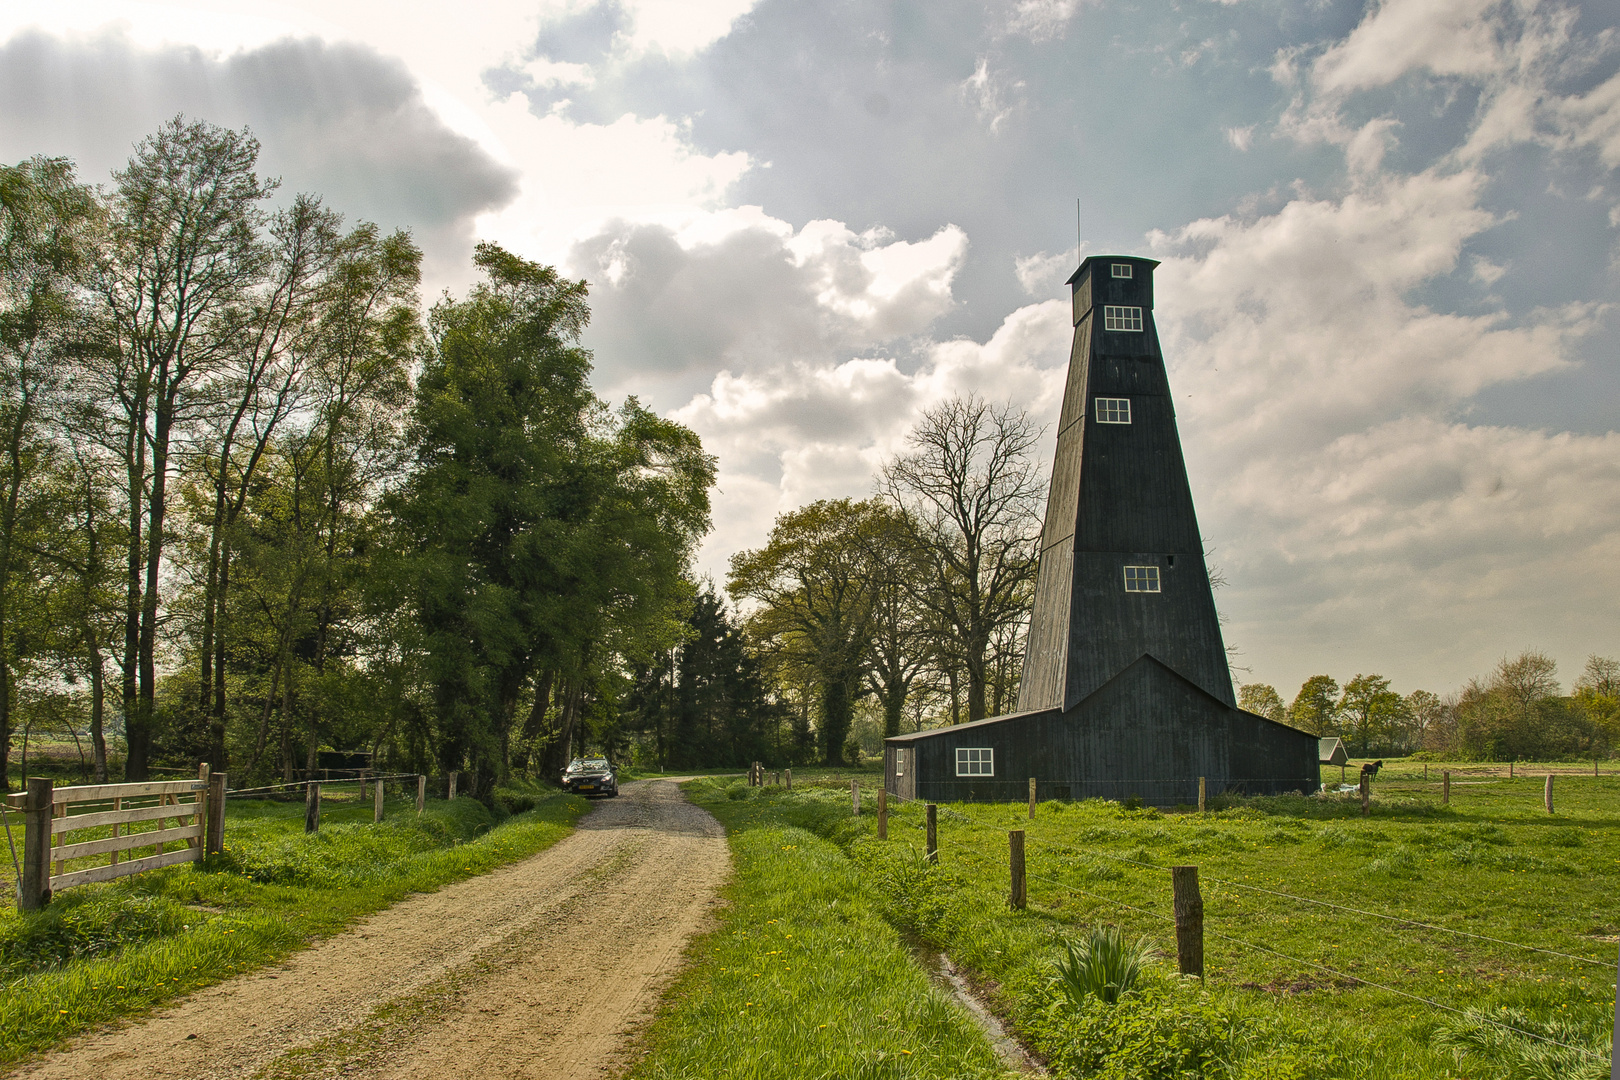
(535, 724)
(136, 731)
(894, 701)
(98, 698)
(559, 748)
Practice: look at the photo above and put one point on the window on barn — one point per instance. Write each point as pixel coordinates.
(1122, 318)
(1122, 270)
(899, 763)
(1113, 410)
(1141, 579)
(973, 761)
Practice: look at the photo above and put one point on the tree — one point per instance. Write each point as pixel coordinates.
(1517, 713)
(1426, 718)
(901, 631)
(814, 584)
(1371, 713)
(47, 236)
(1597, 696)
(1316, 707)
(972, 496)
(1262, 700)
(184, 251)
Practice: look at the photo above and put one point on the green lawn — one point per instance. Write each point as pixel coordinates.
(100, 952)
(1284, 994)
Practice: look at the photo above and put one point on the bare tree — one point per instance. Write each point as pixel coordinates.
(973, 497)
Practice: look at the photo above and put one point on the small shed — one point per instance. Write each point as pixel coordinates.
(1331, 752)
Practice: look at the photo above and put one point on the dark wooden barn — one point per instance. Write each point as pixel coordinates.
(1126, 689)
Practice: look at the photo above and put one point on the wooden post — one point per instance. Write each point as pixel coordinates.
(60, 839)
(1614, 1053)
(1201, 790)
(789, 775)
(452, 796)
(1425, 771)
(1547, 796)
(1445, 787)
(421, 792)
(932, 844)
(1015, 864)
(883, 813)
(216, 813)
(1032, 798)
(855, 797)
(377, 802)
(1510, 770)
(312, 807)
(1189, 908)
(201, 817)
(1366, 794)
(472, 783)
(36, 876)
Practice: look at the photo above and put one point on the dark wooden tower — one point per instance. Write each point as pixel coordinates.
(1122, 561)
(1126, 689)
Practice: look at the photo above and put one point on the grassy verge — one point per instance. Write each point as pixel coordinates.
(102, 952)
(1493, 864)
(804, 978)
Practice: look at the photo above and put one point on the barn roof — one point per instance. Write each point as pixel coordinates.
(1145, 658)
(1331, 751)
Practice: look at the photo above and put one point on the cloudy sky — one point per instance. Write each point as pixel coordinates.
(1388, 234)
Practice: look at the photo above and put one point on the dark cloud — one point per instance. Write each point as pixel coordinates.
(341, 121)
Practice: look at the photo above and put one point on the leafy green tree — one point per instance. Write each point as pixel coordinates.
(1370, 713)
(1316, 706)
(1597, 696)
(48, 224)
(1262, 700)
(814, 583)
(184, 250)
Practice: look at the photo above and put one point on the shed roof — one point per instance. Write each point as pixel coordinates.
(1331, 751)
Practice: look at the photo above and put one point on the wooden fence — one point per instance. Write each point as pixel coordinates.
(187, 813)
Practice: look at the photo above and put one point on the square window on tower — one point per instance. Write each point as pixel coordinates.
(1141, 579)
(1113, 410)
(1122, 270)
(1122, 318)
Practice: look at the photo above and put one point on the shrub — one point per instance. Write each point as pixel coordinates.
(84, 924)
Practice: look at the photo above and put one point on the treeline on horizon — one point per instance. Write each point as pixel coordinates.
(1516, 713)
(256, 503)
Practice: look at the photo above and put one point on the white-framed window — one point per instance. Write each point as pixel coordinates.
(975, 761)
(1122, 318)
(1141, 579)
(1113, 410)
(1122, 270)
(899, 763)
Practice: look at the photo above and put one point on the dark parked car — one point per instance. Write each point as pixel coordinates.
(591, 776)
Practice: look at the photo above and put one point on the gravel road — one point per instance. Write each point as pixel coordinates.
(543, 969)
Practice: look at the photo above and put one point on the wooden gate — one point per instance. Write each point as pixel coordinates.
(168, 816)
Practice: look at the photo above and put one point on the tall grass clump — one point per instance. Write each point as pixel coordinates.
(1103, 964)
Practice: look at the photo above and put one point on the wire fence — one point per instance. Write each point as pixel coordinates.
(981, 862)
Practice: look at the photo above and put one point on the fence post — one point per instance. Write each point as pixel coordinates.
(1189, 907)
(1510, 770)
(377, 802)
(1547, 796)
(1366, 794)
(1614, 1053)
(451, 797)
(1201, 790)
(216, 813)
(789, 774)
(931, 844)
(1015, 865)
(312, 807)
(36, 878)
(883, 813)
(202, 815)
(855, 797)
(1445, 787)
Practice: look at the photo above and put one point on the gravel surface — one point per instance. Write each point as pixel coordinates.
(545, 968)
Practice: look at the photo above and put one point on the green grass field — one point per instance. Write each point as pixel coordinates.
(100, 952)
(1287, 990)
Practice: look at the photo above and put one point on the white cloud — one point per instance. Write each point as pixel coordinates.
(1445, 37)
(1042, 275)
(1041, 20)
(1241, 138)
(992, 93)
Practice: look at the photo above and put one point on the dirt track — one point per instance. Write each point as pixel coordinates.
(541, 969)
